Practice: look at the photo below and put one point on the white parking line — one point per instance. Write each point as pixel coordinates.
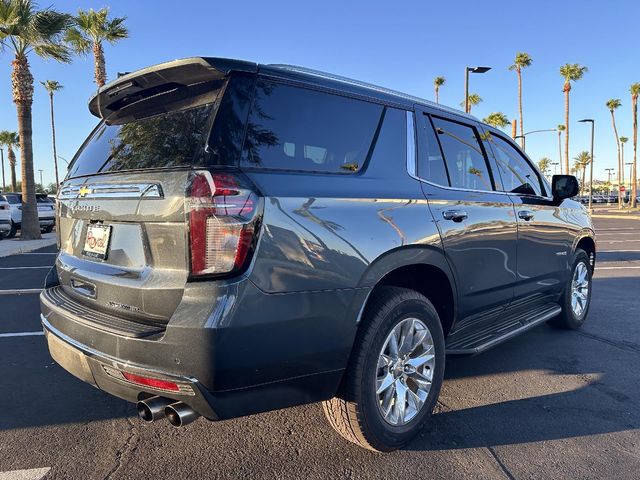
(30, 474)
(39, 253)
(617, 268)
(25, 268)
(21, 334)
(20, 291)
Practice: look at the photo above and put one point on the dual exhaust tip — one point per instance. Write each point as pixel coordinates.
(155, 408)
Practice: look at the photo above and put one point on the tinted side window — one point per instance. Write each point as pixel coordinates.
(296, 128)
(463, 155)
(391, 142)
(430, 162)
(518, 176)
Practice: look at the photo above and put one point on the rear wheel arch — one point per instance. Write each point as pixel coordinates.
(424, 270)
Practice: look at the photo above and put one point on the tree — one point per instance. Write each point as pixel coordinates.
(544, 164)
(612, 104)
(91, 30)
(571, 72)
(623, 140)
(523, 60)
(561, 128)
(11, 140)
(51, 86)
(474, 99)
(581, 161)
(25, 29)
(52, 189)
(437, 83)
(635, 91)
(496, 119)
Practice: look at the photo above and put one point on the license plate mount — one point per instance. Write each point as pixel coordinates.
(96, 243)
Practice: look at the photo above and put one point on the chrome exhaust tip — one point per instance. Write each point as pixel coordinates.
(152, 408)
(180, 414)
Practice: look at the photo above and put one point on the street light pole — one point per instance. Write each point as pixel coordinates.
(590, 120)
(41, 186)
(468, 70)
(555, 167)
(524, 136)
(609, 173)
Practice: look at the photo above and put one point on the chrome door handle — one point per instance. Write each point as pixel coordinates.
(525, 215)
(455, 215)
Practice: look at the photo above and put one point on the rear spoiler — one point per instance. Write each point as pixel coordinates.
(150, 81)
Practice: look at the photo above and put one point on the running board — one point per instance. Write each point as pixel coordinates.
(501, 330)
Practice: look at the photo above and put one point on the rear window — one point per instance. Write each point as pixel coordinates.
(163, 131)
(292, 128)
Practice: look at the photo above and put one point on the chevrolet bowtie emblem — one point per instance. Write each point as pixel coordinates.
(84, 191)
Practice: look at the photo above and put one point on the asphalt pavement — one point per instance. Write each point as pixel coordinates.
(548, 404)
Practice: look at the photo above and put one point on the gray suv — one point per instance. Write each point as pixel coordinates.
(237, 238)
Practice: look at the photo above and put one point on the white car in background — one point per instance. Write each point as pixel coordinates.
(5, 219)
(46, 211)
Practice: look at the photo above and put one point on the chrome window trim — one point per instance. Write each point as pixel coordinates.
(411, 145)
(111, 190)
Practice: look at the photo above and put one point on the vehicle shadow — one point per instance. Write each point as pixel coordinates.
(37, 392)
(603, 402)
(558, 385)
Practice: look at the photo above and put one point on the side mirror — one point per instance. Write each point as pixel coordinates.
(564, 186)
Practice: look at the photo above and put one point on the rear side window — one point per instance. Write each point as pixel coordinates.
(431, 163)
(292, 128)
(463, 154)
(518, 176)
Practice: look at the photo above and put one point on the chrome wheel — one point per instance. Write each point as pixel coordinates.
(405, 371)
(580, 290)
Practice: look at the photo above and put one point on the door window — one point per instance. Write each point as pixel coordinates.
(518, 176)
(431, 162)
(463, 154)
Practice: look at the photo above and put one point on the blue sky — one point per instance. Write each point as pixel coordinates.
(402, 45)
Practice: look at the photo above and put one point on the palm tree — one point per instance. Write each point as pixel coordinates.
(612, 104)
(581, 161)
(496, 119)
(572, 72)
(52, 86)
(635, 91)
(474, 99)
(437, 83)
(523, 60)
(25, 29)
(561, 128)
(543, 165)
(91, 30)
(623, 140)
(11, 141)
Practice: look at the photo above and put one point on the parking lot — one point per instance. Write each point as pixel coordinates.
(548, 404)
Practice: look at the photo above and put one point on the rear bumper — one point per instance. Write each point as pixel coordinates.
(244, 352)
(101, 371)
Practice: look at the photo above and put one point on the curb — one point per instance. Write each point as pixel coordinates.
(18, 249)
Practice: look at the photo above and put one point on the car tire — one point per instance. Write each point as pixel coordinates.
(13, 231)
(576, 298)
(357, 412)
(48, 229)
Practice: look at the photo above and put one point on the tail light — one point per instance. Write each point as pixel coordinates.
(224, 218)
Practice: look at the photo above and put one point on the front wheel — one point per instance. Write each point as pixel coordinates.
(394, 376)
(576, 299)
